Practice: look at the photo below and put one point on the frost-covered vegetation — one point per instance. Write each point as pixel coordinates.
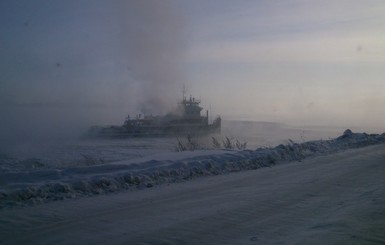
(38, 185)
(227, 143)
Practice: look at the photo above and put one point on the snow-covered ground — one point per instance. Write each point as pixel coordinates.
(93, 167)
(63, 151)
(333, 198)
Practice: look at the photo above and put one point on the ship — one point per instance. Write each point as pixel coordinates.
(185, 121)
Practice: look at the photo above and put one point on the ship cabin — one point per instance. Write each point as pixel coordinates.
(191, 111)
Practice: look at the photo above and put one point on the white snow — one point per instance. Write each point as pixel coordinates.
(36, 183)
(336, 198)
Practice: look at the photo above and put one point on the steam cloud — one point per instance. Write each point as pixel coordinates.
(152, 34)
(68, 65)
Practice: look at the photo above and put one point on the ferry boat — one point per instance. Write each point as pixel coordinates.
(187, 120)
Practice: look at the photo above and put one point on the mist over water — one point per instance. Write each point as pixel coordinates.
(71, 150)
(70, 65)
(153, 38)
(271, 134)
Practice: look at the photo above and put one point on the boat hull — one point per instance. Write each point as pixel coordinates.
(155, 131)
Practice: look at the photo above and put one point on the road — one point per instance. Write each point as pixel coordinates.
(333, 199)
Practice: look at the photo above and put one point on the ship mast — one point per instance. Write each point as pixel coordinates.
(184, 93)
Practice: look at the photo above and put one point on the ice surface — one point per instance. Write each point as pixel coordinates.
(334, 198)
(34, 181)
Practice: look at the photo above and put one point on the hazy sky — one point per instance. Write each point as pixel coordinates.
(294, 61)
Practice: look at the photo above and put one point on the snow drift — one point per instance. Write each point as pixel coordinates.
(35, 186)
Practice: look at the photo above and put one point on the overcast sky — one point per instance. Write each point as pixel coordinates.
(294, 61)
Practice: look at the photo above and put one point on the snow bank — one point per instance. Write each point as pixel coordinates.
(42, 185)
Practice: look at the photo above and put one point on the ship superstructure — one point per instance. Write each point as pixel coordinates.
(187, 120)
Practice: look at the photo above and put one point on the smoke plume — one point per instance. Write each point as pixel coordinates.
(72, 64)
(153, 38)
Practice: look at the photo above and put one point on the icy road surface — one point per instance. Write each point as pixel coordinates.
(328, 199)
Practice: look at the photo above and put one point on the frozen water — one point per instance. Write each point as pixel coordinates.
(91, 166)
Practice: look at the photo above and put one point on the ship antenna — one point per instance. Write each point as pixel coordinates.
(211, 118)
(184, 92)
